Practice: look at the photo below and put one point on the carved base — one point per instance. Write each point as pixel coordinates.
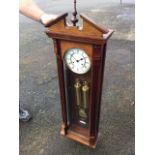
(88, 141)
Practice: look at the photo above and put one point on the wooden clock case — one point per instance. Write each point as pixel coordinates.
(93, 40)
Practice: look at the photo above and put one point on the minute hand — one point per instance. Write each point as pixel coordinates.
(74, 58)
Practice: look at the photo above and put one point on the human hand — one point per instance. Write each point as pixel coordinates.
(46, 18)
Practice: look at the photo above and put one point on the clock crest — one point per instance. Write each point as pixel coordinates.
(80, 53)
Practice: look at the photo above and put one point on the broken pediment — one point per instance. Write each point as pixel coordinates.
(59, 28)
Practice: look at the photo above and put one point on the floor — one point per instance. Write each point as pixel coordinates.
(39, 91)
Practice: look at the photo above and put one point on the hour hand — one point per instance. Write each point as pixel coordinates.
(80, 59)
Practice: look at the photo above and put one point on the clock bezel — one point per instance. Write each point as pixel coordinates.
(64, 58)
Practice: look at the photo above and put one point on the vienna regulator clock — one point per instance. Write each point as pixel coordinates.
(80, 53)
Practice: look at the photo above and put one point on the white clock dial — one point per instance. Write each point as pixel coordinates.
(77, 60)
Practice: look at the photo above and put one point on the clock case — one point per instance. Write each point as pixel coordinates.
(93, 40)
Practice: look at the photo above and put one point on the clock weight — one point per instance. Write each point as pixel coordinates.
(85, 94)
(82, 99)
(77, 87)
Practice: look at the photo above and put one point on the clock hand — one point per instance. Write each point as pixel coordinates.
(81, 59)
(75, 58)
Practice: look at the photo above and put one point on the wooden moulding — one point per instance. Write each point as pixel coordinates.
(90, 142)
(89, 33)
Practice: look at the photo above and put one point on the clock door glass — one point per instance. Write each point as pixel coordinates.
(77, 61)
(77, 76)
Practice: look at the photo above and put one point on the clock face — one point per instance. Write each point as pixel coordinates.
(77, 60)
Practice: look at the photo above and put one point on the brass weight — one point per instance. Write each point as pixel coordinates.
(82, 101)
(85, 94)
(77, 87)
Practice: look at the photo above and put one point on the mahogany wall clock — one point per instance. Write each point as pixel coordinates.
(80, 53)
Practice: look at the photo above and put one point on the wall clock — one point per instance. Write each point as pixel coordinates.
(80, 54)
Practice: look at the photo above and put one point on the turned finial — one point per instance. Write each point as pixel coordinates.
(74, 18)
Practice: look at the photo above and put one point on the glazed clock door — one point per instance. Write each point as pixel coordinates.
(77, 70)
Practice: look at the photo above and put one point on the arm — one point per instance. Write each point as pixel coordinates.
(31, 10)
